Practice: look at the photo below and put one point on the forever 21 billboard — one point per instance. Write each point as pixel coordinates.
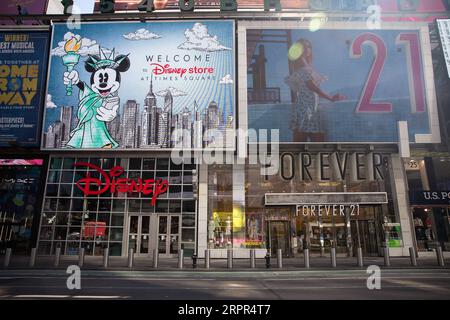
(154, 85)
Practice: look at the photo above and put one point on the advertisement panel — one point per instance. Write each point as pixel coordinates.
(23, 66)
(339, 84)
(126, 5)
(133, 85)
(21, 8)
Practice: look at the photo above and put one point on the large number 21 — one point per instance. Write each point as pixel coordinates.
(415, 81)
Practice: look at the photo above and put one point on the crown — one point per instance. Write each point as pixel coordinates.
(105, 61)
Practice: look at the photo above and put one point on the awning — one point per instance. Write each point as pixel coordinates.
(361, 198)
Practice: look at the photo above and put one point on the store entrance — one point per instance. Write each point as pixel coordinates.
(365, 231)
(279, 237)
(139, 234)
(168, 235)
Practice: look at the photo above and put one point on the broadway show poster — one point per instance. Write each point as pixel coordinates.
(23, 67)
(153, 85)
(336, 85)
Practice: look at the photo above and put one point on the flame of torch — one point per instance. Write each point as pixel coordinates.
(71, 58)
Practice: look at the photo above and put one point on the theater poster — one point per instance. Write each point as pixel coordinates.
(134, 85)
(341, 82)
(23, 67)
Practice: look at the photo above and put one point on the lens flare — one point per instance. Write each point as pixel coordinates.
(295, 51)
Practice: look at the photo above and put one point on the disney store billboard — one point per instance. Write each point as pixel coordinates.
(133, 85)
(341, 82)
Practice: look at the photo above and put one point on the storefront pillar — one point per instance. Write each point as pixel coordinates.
(401, 205)
(202, 237)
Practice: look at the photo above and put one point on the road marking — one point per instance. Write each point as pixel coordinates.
(42, 296)
(100, 297)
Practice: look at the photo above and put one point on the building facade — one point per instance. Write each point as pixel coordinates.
(357, 159)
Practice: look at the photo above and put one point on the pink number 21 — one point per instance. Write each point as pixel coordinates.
(415, 81)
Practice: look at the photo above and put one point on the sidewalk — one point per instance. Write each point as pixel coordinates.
(171, 264)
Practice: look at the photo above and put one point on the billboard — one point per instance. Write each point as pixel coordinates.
(127, 5)
(339, 84)
(23, 65)
(133, 85)
(23, 8)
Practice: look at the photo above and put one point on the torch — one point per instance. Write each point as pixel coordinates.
(71, 58)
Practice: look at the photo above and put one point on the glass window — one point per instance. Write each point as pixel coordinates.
(63, 204)
(174, 191)
(175, 206)
(162, 206)
(46, 233)
(48, 218)
(175, 177)
(188, 235)
(115, 249)
(148, 164)
(117, 219)
(65, 190)
(53, 177)
(188, 192)
(134, 205)
(68, 163)
(188, 220)
(55, 163)
(116, 234)
(164, 175)
(62, 218)
(107, 163)
(104, 205)
(135, 164)
(175, 167)
(95, 162)
(162, 164)
(92, 205)
(148, 175)
(52, 190)
(67, 176)
(118, 205)
(188, 206)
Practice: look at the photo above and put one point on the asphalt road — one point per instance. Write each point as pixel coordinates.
(282, 285)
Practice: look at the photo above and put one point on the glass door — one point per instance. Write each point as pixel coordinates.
(139, 234)
(279, 237)
(168, 235)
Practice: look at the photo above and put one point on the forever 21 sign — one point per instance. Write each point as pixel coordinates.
(112, 183)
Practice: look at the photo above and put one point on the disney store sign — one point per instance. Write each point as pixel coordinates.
(112, 183)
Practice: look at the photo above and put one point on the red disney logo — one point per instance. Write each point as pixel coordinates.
(147, 187)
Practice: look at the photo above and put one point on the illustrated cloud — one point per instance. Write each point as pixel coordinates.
(199, 39)
(88, 46)
(49, 104)
(227, 79)
(141, 34)
(174, 91)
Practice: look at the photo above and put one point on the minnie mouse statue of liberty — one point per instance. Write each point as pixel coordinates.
(99, 102)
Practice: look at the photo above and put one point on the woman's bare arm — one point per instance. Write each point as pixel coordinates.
(312, 86)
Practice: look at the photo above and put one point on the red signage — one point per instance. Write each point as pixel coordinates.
(94, 186)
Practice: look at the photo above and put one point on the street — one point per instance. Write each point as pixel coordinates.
(216, 285)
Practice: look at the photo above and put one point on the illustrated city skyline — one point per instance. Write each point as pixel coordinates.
(156, 125)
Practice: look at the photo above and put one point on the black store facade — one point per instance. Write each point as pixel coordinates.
(140, 203)
(327, 199)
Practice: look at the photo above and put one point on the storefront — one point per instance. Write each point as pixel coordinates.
(20, 200)
(428, 181)
(119, 203)
(357, 207)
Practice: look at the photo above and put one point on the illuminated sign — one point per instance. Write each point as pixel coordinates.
(112, 183)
